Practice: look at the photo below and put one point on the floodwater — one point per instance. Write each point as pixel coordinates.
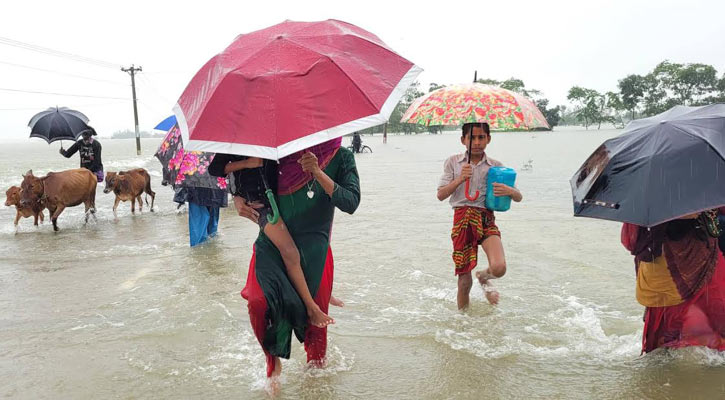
(125, 309)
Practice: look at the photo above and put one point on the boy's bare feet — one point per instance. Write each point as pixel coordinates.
(336, 302)
(318, 318)
(488, 290)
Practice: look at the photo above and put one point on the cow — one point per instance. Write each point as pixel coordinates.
(13, 199)
(59, 190)
(129, 185)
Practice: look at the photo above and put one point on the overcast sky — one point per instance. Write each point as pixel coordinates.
(550, 45)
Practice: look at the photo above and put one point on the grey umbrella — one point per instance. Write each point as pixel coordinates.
(660, 168)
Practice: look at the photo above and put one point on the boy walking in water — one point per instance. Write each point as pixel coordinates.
(473, 224)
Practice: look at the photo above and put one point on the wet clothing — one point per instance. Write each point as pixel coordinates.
(471, 226)
(203, 223)
(275, 308)
(452, 169)
(681, 282)
(721, 220)
(356, 143)
(204, 204)
(699, 321)
(90, 155)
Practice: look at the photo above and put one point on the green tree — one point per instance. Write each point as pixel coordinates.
(694, 82)
(434, 86)
(552, 115)
(588, 103)
(514, 85)
(492, 82)
(394, 125)
(654, 99)
(631, 90)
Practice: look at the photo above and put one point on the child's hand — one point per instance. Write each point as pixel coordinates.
(253, 162)
(466, 172)
(500, 189)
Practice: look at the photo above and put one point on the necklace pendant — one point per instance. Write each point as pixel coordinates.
(310, 194)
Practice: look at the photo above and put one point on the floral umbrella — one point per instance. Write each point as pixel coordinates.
(474, 102)
(185, 168)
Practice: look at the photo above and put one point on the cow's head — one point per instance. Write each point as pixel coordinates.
(31, 189)
(111, 182)
(12, 196)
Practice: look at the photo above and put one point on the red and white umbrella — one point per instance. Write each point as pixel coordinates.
(291, 86)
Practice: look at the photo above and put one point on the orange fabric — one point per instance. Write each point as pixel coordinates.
(655, 286)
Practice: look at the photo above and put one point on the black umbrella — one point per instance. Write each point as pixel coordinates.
(58, 123)
(660, 168)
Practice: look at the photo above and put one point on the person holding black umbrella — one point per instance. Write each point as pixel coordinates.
(90, 153)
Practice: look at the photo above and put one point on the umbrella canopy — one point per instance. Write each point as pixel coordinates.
(291, 86)
(166, 124)
(58, 123)
(474, 102)
(660, 168)
(182, 168)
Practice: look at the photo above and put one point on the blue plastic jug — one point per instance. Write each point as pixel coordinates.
(503, 175)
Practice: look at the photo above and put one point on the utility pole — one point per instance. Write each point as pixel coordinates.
(131, 71)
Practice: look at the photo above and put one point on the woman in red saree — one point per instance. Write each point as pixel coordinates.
(311, 184)
(680, 281)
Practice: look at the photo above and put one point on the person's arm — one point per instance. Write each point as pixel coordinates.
(445, 190)
(344, 194)
(500, 189)
(222, 165)
(71, 150)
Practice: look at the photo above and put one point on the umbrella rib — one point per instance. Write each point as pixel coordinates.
(701, 138)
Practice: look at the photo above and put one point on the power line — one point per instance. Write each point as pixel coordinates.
(56, 53)
(75, 106)
(62, 94)
(62, 73)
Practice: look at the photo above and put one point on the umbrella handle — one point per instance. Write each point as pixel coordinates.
(275, 211)
(468, 181)
(469, 196)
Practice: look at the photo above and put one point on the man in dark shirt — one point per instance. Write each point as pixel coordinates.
(90, 153)
(356, 142)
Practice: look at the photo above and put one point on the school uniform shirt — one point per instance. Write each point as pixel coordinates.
(452, 169)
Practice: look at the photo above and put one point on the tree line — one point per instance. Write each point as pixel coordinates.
(637, 96)
(640, 96)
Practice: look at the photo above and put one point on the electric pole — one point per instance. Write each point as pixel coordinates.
(131, 71)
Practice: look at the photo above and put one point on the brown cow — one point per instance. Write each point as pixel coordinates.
(59, 190)
(13, 199)
(129, 185)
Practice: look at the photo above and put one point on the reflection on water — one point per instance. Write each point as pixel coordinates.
(125, 309)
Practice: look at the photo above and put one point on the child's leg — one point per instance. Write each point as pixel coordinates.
(279, 235)
(493, 247)
(464, 289)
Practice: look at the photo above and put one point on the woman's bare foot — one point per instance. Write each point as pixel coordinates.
(318, 318)
(489, 291)
(336, 302)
